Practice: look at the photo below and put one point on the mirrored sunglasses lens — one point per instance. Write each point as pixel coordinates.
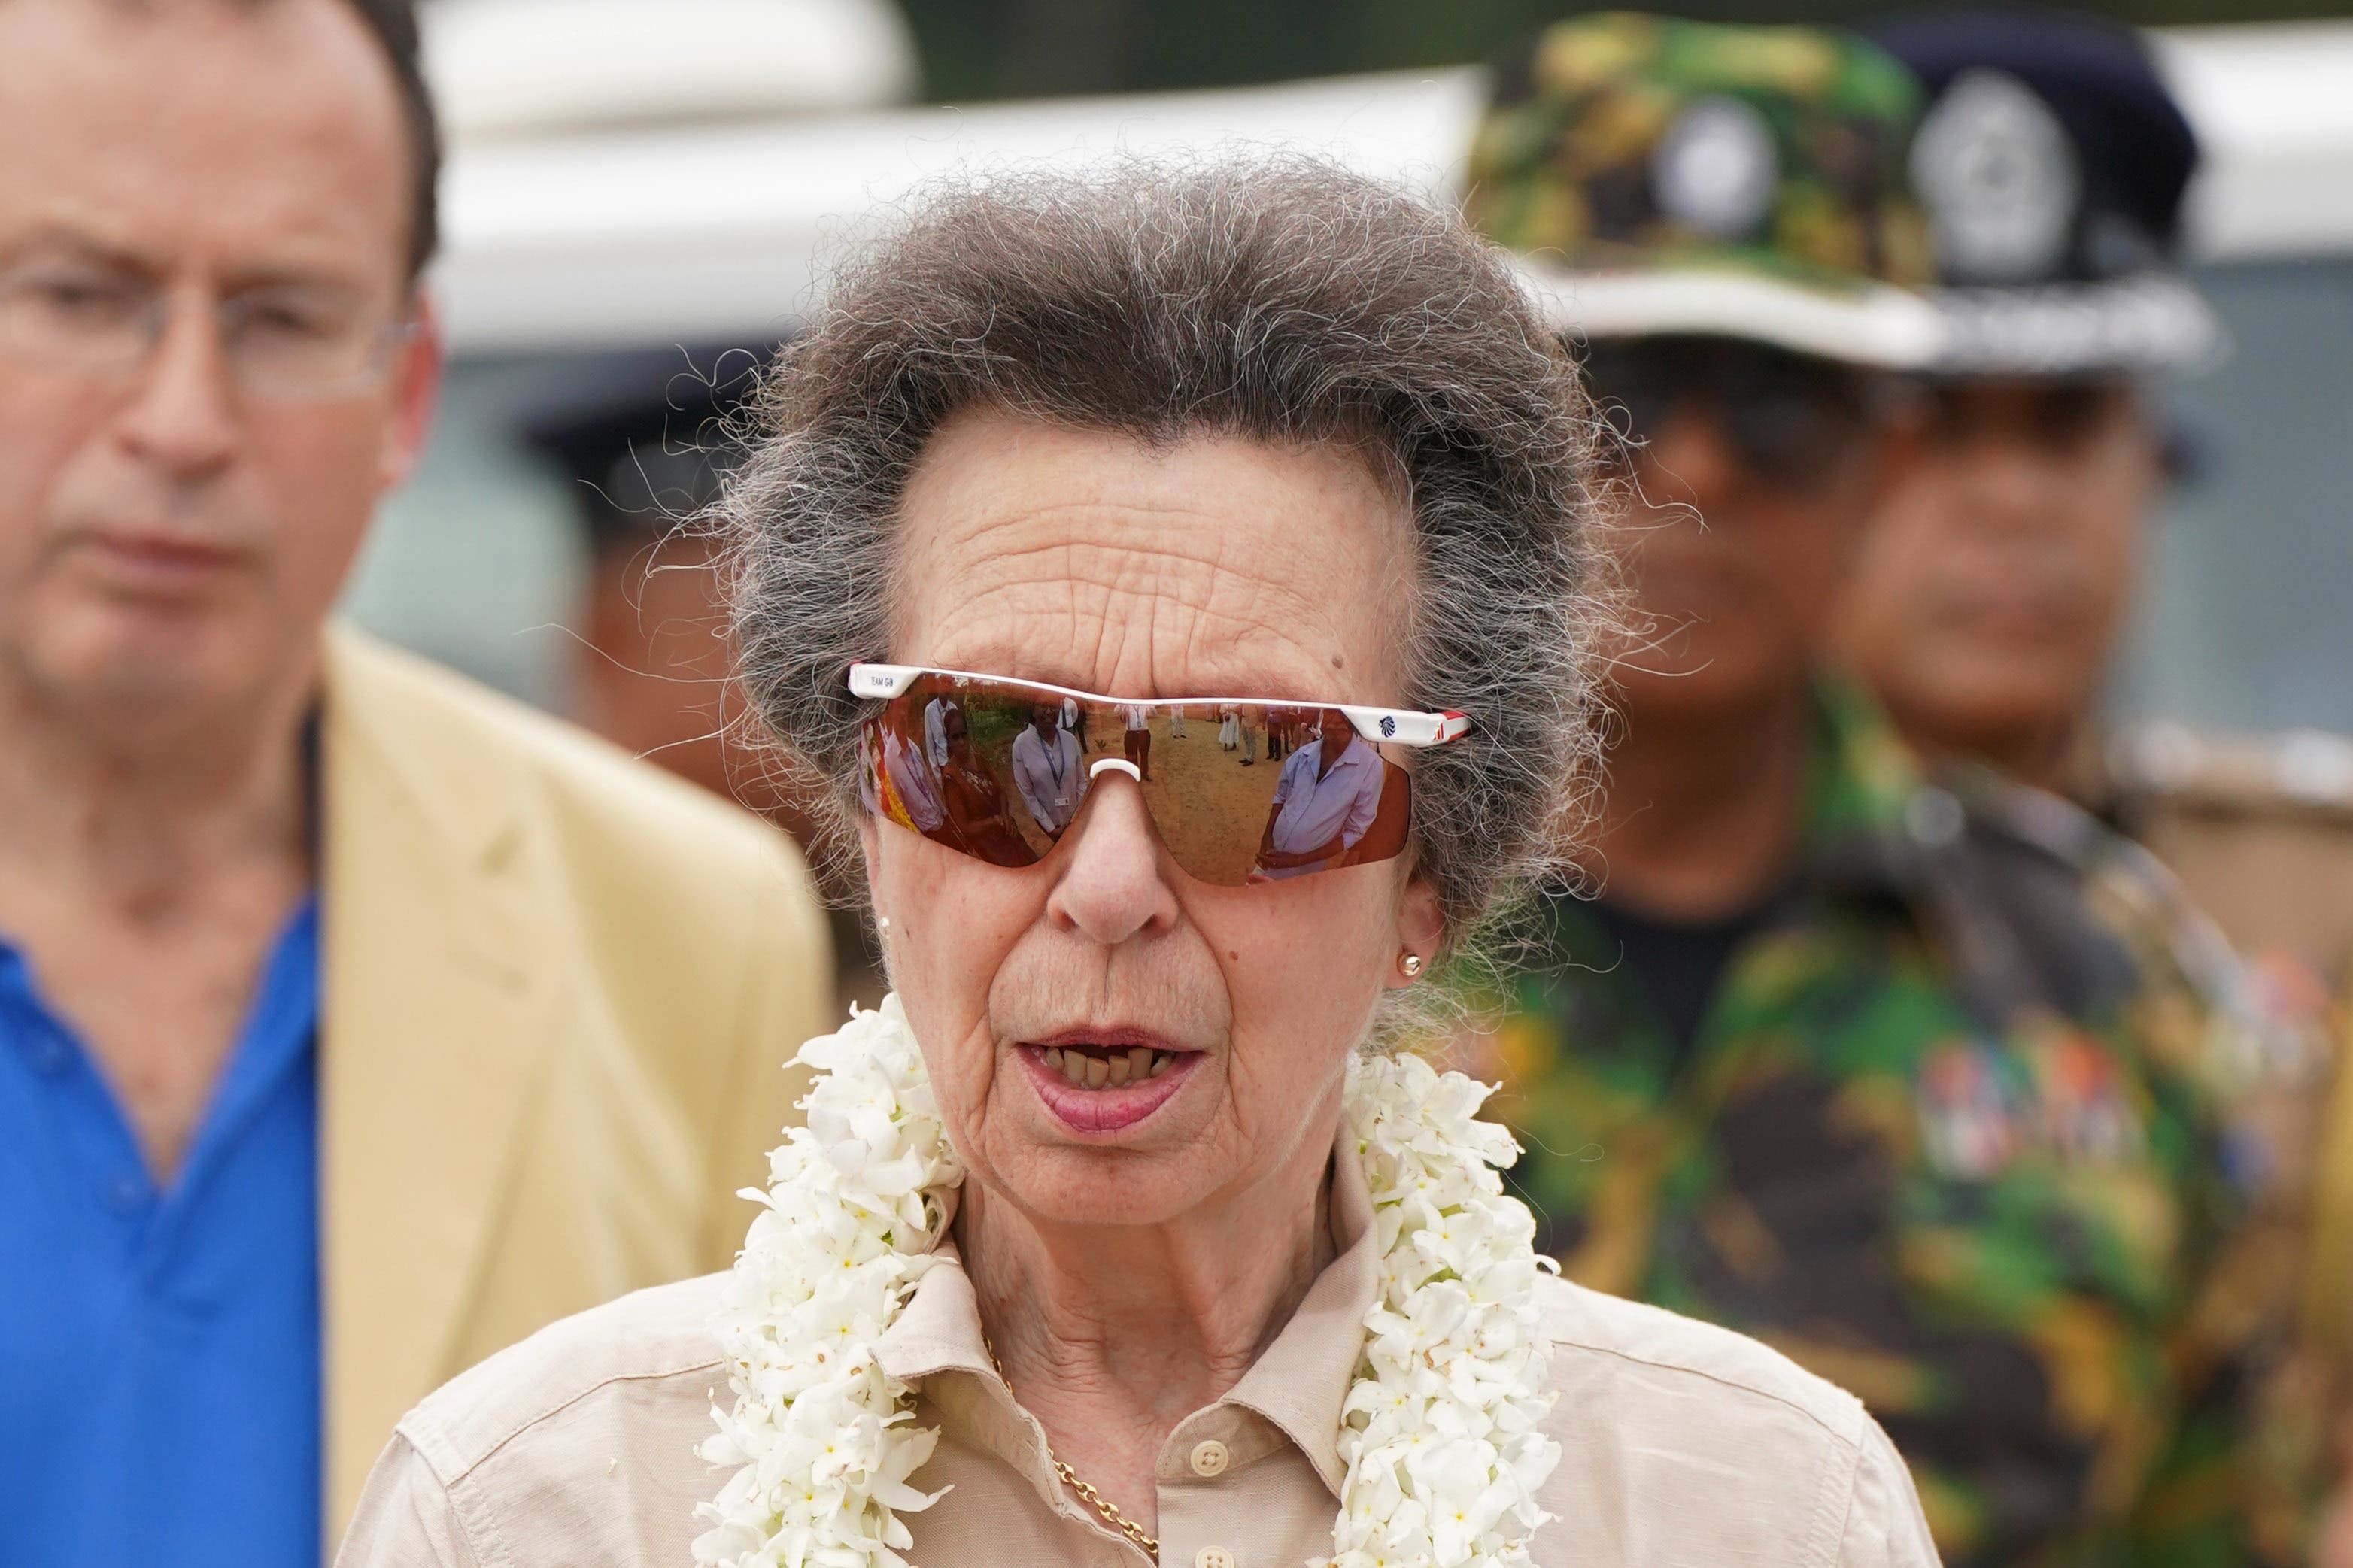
(941, 762)
(1286, 791)
(1240, 794)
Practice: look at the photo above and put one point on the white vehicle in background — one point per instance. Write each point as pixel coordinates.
(631, 185)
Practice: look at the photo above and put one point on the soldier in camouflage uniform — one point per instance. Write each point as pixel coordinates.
(2053, 161)
(1848, 1059)
(1986, 611)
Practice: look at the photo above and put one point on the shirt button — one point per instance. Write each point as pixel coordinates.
(1210, 1459)
(126, 1195)
(1213, 1557)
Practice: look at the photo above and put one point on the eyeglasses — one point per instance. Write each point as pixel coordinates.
(282, 341)
(1241, 790)
(1788, 417)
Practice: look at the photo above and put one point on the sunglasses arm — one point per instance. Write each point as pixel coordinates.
(881, 681)
(1404, 727)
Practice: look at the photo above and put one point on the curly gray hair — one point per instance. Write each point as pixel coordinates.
(1283, 301)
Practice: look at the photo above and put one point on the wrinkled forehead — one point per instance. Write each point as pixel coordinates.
(1212, 565)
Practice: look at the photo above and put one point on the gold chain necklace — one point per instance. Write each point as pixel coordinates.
(1095, 1499)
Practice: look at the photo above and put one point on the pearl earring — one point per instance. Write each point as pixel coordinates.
(883, 924)
(1411, 963)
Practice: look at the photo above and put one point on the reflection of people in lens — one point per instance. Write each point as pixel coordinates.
(908, 779)
(975, 802)
(935, 733)
(1327, 796)
(1046, 770)
(1136, 736)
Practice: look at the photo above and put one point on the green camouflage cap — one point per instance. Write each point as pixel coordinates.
(1663, 176)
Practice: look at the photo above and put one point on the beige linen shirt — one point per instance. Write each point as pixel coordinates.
(1680, 1444)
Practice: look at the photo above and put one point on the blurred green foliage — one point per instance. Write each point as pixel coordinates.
(996, 48)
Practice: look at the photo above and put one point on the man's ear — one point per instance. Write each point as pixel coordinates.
(415, 391)
(1420, 927)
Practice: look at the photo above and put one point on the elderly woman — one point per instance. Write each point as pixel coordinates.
(1115, 1236)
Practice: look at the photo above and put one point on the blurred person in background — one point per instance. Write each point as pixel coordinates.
(1988, 611)
(1832, 1058)
(353, 1022)
(643, 438)
(1994, 587)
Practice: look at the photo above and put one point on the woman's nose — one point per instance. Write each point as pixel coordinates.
(1112, 885)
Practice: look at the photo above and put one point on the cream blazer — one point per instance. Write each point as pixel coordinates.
(560, 986)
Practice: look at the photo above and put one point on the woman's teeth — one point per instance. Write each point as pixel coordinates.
(1089, 1067)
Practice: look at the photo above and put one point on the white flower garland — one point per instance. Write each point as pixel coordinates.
(1442, 1432)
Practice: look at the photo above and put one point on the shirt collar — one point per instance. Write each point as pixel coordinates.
(1299, 1384)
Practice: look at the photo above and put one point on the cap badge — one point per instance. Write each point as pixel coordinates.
(1716, 168)
(1999, 178)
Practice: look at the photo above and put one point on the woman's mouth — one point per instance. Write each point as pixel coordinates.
(1098, 1067)
(1105, 1085)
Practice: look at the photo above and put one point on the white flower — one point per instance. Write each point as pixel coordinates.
(1441, 1431)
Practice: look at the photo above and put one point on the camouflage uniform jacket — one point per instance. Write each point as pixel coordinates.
(1943, 1136)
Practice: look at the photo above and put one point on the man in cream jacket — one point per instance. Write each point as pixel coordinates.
(353, 1022)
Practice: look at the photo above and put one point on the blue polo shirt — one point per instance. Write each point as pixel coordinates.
(159, 1347)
